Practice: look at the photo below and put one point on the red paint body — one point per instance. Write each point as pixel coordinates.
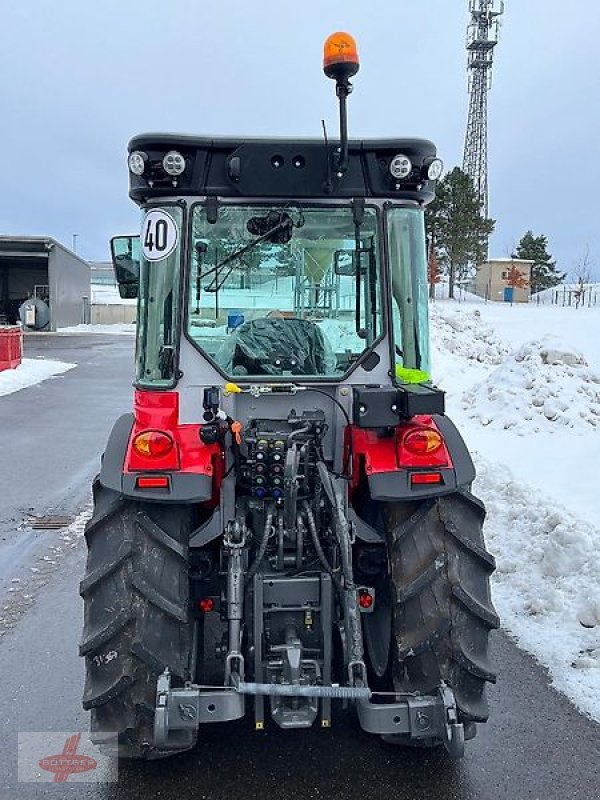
(159, 411)
(373, 453)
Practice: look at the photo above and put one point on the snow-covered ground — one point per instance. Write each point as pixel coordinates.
(523, 386)
(30, 372)
(118, 328)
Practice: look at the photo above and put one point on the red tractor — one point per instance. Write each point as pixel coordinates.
(286, 517)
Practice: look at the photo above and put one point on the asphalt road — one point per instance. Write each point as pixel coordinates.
(52, 434)
(536, 745)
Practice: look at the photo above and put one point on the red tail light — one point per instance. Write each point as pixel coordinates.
(206, 604)
(152, 482)
(425, 478)
(153, 444)
(422, 441)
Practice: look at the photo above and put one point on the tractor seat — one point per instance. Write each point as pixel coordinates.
(276, 346)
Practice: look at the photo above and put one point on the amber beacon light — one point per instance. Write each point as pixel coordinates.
(340, 62)
(340, 56)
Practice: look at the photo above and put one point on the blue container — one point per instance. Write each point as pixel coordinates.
(234, 320)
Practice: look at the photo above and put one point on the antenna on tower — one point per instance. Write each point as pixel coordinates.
(482, 38)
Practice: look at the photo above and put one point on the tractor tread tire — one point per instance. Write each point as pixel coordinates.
(136, 619)
(443, 611)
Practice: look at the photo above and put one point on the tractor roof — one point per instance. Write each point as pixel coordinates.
(273, 168)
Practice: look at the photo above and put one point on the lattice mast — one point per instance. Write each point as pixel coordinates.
(482, 38)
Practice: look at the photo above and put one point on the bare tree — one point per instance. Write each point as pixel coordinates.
(582, 276)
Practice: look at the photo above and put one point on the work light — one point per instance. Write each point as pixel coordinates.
(435, 167)
(137, 162)
(400, 166)
(173, 163)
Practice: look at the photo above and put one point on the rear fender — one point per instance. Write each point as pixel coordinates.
(377, 460)
(199, 467)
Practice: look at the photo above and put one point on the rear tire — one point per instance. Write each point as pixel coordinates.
(136, 618)
(443, 611)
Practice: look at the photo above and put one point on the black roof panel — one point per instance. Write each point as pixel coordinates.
(279, 167)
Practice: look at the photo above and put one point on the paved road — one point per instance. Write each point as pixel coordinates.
(52, 434)
(536, 747)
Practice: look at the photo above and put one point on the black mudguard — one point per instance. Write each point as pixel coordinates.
(184, 487)
(390, 486)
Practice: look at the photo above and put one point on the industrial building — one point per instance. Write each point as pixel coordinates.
(42, 283)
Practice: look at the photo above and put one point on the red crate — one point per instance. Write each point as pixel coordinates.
(11, 346)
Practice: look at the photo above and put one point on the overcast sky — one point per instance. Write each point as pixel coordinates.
(78, 79)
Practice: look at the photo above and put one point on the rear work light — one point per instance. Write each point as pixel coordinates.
(152, 482)
(153, 444)
(425, 478)
(422, 442)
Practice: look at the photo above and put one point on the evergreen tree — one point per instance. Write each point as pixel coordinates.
(544, 274)
(456, 228)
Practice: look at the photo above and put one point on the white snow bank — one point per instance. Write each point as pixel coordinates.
(547, 584)
(30, 372)
(464, 333)
(119, 328)
(545, 385)
(524, 322)
(543, 521)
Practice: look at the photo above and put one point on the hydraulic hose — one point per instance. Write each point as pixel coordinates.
(318, 548)
(262, 548)
(342, 529)
(299, 541)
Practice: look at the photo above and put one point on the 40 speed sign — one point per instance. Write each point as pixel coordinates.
(159, 235)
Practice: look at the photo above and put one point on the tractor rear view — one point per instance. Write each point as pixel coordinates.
(286, 519)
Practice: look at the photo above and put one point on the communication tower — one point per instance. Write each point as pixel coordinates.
(482, 38)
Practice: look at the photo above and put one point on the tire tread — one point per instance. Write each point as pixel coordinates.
(136, 618)
(442, 615)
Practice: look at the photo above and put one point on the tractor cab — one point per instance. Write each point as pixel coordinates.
(281, 259)
(255, 246)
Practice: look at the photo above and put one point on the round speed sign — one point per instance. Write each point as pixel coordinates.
(159, 235)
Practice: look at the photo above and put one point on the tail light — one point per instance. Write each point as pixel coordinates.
(152, 482)
(206, 605)
(153, 444)
(425, 478)
(422, 441)
(420, 444)
(366, 599)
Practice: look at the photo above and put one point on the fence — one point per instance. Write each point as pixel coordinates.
(565, 297)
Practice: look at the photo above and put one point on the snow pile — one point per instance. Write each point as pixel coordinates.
(119, 328)
(547, 584)
(464, 334)
(544, 386)
(30, 372)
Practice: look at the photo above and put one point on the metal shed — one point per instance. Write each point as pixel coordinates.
(32, 266)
